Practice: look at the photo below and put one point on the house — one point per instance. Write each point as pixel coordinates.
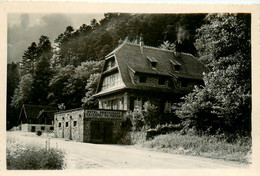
(37, 118)
(132, 74)
(135, 73)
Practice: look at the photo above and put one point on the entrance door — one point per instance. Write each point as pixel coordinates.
(101, 132)
(108, 132)
(96, 132)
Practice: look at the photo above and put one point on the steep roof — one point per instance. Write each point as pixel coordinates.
(131, 58)
(35, 111)
(130, 55)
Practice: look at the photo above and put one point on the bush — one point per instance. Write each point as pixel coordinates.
(147, 118)
(137, 137)
(28, 157)
(38, 133)
(215, 146)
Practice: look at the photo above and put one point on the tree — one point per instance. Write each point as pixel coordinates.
(22, 94)
(88, 100)
(40, 86)
(68, 84)
(223, 103)
(12, 83)
(27, 64)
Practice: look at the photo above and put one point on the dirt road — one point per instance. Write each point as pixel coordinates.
(93, 156)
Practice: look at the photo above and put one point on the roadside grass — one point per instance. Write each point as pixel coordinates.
(21, 156)
(217, 147)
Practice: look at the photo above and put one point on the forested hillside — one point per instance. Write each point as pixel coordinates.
(65, 73)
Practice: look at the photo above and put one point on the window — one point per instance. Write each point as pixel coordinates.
(42, 128)
(161, 81)
(51, 128)
(59, 124)
(121, 103)
(153, 64)
(137, 104)
(111, 81)
(176, 65)
(110, 63)
(33, 129)
(114, 103)
(167, 107)
(75, 123)
(67, 124)
(142, 79)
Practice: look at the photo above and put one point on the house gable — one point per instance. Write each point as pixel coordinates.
(37, 114)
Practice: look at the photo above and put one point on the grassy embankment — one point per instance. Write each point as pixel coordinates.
(217, 147)
(24, 156)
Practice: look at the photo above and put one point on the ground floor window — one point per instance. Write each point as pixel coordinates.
(59, 124)
(33, 129)
(167, 107)
(51, 128)
(137, 104)
(42, 128)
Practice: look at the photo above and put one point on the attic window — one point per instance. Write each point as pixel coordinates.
(153, 64)
(176, 65)
(110, 63)
(152, 61)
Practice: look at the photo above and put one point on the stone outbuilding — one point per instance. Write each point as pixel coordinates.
(83, 125)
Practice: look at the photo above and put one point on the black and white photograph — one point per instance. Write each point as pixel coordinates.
(129, 90)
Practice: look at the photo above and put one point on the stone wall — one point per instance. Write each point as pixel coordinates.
(76, 125)
(69, 124)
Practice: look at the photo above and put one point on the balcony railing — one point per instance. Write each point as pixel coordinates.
(113, 114)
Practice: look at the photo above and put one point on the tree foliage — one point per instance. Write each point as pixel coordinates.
(223, 104)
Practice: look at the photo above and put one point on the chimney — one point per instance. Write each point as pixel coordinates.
(178, 49)
(120, 41)
(141, 44)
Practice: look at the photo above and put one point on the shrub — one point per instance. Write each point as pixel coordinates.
(38, 133)
(137, 137)
(136, 118)
(215, 146)
(29, 157)
(147, 118)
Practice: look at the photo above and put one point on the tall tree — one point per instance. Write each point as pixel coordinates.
(224, 103)
(27, 64)
(12, 83)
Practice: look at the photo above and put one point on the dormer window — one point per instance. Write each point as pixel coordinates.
(176, 65)
(153, 62)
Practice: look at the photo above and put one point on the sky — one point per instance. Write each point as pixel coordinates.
(23, 29)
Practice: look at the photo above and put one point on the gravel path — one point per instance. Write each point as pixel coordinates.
(93, 156)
